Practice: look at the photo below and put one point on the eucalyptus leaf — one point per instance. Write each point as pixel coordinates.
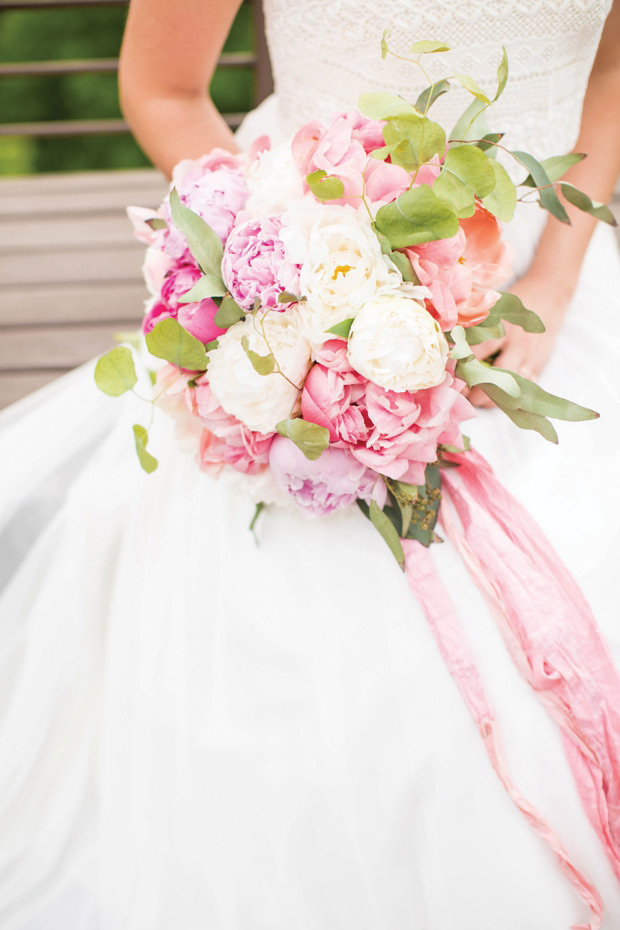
(472, 124)
(549, 200)
(204, 243)
(430, 94)
(502, 200)
(325, 187)
(210, 285)
(487, 143)
(262, 364)
(156, 222)
(168, 340)
(386, 528)
(474, 373)
(228, 313)
(310, 438)
(510, 308)
(466, 81)
(285, 297)
(403, 263)
(141, 437)
(341, 330)
(461, 348)
(381, 105)
(502, 74)
(466, 173)
(581, 200)
(414, 142)
(417, 216)
(426, 47)
(534, 399)
(484, 331)
(115, 372)
(556, 166)
(384, 45)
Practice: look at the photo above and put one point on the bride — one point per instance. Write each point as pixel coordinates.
(197, 733)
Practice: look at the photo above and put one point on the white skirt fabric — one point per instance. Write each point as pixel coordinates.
(201, 732)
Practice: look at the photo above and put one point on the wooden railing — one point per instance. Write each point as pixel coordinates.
(257, 60)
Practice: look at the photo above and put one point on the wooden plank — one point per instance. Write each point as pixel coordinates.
(58, 266)
(74, 233)
(79, 202)
(16, 385)
(132, 179)
(53, 347)
(74, 303)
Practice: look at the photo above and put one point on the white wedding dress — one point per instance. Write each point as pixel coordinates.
(199, 733)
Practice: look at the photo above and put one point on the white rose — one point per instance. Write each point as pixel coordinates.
(343, 271)
(396, 343)
(260, 401)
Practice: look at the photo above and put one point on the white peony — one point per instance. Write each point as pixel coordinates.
(396, 343)
(274, 182)
(260, 401)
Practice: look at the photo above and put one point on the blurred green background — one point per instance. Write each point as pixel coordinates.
(81, 33)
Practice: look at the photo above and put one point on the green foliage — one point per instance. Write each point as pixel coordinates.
(502, 200)
(430, 94)
(204, 244)
(310, 438)
(386, 528)
(210, 285)
(115, 372)
(415, 217)
(467, 173)
(168, 340)
(413, 141)
(341, 330)
(81, 33)
(147, 461)
(425, 47)
(549, 200)
(229, 312)
(325, 187)
(262, 364)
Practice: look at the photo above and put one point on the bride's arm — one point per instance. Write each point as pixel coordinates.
(551, 280)
(170, 51)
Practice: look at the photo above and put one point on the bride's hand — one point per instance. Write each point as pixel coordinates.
(526, 353)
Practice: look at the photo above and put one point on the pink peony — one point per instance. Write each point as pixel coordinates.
(331, 482)
(342, 150)
(255, 264)
(226, 441)
(393, 433)
(460, 272)
(197, 318)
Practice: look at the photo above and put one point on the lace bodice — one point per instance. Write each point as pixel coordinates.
(326, 52)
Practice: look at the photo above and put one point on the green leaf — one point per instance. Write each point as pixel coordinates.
(325, 187)
(460, 349)
(426, 47)
(386, 528)
(115, 372)
(417, 216)
(259, 509)
(473, 372)
(502, 200)
(414, 142)
(466, 173)
(484, 331)
(521, 418)
(534, 399)
(262, 364)
(384, 45)
(502, 74)
(486, 144)
(472, 124)
(341, 330)
(310, 438)
(168, 340)
(210, 285)
(430, 94)
(405, 267)
(510, 308)
(204, 243)
(381, 105)
(470, 85)
(549, 200)
(156, 222)
(581, 200)
(147, 461)
(229, 312)
(556, 166)
(285, 297)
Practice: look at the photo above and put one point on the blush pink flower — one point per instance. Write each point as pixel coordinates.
(342, 150)
(255, 264)
(331, 482)
(462, 271)
(333, 397)
(226, 441)
(198, 318)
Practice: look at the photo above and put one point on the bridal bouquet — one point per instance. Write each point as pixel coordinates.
(317, 303)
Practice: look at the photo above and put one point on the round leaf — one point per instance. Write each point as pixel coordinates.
(310, 438)
(417, 216)
(115, 372)
(204, 243)
(147, 461)
(503, 198)
(168, 340)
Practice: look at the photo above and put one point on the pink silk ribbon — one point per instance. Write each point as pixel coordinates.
(552, 637)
